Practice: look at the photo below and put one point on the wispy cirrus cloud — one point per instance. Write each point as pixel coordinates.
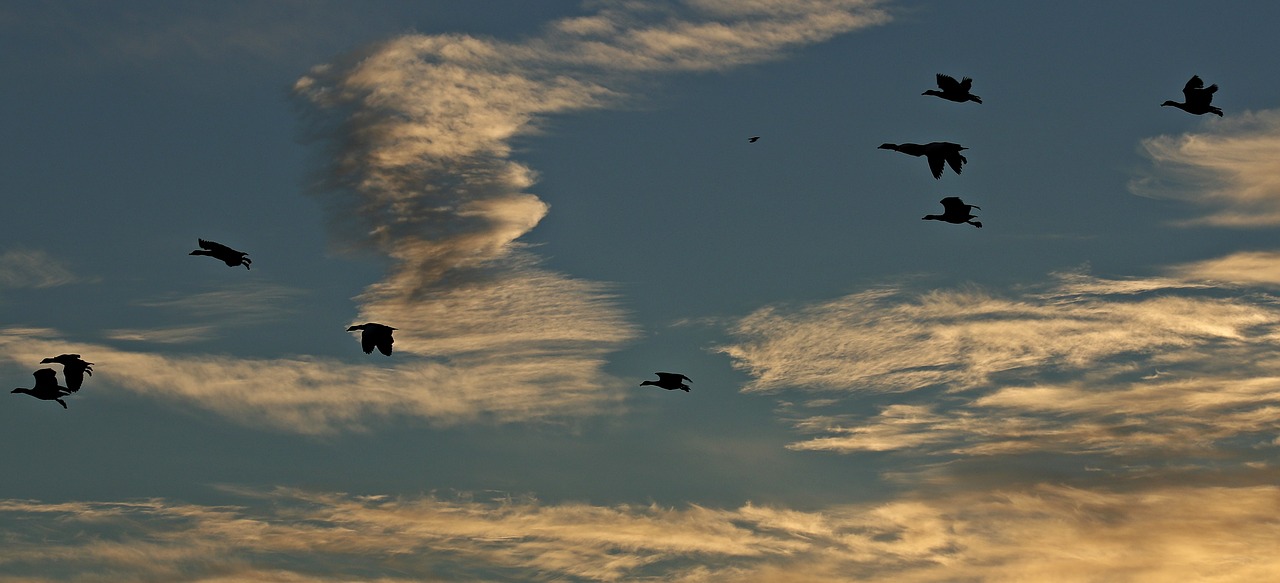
(1041, 532)
(32, 268)
(1232, 167)
(1180, 364)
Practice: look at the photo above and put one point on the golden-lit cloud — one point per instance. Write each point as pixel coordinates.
(1231, 166)
(310, 395)
(1180, 364)
(1037, 533)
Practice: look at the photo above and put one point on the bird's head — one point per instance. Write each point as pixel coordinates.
(354, 328)
(648, 383)
(18, 391)
(887, 146)
(48, 360)
(1170, 102)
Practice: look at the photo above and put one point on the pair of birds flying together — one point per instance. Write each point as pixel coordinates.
(47, 387)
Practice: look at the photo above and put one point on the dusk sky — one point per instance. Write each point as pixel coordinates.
(551, 201)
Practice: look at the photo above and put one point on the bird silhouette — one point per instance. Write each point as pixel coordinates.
(374, 335)
(669, 381)
(953, 90)
(226, 254)
(73, 369)
(1197, 98)
(937, 153)
(753, 139)
(47, 388)
(955, 211)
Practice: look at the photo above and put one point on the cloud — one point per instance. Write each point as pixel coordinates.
(419, 132)
(1232, 167)
(1042, 532)
(310, 395)
(30, 268)
(1175, 365)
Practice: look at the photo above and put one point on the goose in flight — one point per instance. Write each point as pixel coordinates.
(73, 369)
(221, 252)
(753, 139)
(938, 153)
(670, 381)
(47, 388)
(374, 335)
(953, 90)
(955, 211)
(1197, 98)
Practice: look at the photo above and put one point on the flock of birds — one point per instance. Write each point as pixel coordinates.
(1197, 100)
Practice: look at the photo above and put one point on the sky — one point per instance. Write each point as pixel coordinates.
(552, 200)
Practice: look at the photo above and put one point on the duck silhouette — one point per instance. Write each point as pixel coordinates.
(1197, 98)
(73, 369)
(47, 388)
(955, 211)
(374, 335)
(670, 381)
(937, 153)
(953, 90)
(219, 251)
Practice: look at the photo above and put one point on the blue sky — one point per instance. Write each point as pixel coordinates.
(553, 200)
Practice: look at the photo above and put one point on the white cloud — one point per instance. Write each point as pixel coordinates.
(1038, 533)
(1232, 166)
(1067, 367)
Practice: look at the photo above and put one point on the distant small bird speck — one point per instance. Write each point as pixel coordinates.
(753, 139)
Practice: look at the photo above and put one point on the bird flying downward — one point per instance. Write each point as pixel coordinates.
(753, 139)
(937, 153)
(1197, 98)
(955, 211)
(374, 336)
(221, 252)
(953, 90)
(73, 369)
(670, 381)
(47, 388)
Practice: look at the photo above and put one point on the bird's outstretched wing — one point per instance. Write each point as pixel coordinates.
(384, 344)
(935, 165)
(367, 342)
(947, 83)
(952, 205)
(46, 378)
(966, 84)
(672, 377)
(955, 160)
(1193, 84)
(218, 247)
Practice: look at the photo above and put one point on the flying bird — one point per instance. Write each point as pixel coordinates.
(226, 254)
(1197, 98)
(753, 139)
(937, 153)
(955, 211)
(953, 90)
(73, 369)
(47, 388)
(670, 381)
(374, 335)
